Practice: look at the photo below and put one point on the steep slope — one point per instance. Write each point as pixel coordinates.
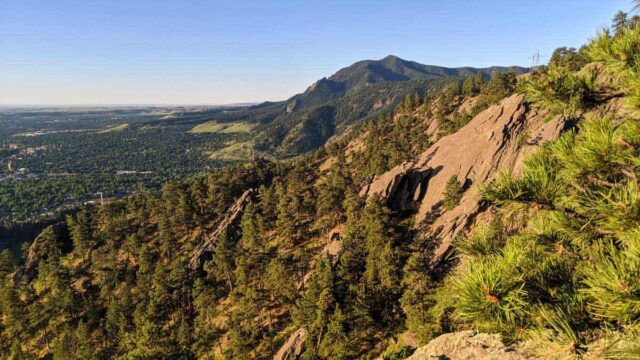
(393, 68)
(363, 90)
(343, 253)
(496, 139)
(388, 69)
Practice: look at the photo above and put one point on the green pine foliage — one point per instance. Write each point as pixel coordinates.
(562, 90)
(619, 53)
(611, 282)
(500, 86)
(392, 140)
(570, 267)
(486, 240)
(453, 193)
(418, 298)
(569, 58)
(558, 266)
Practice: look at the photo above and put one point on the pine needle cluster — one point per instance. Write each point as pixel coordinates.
(620, 55)
(570, 266)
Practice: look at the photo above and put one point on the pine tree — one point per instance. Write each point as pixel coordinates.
(198, 191)
(452, 193)
(279, 282)
(315, 308)
(352, 258)
(80, 229)
(330, 195)
(267, 203)
(469, 87)
(285, 225)
(7, 263)
(417, 99)
(206, 333)
(620, 22)
(381, 274)
(243, 329)
(85, 348)
(479, 81)
(221, 267)
(66, 345)
(408, 103)
(418, 297)
(335, 343)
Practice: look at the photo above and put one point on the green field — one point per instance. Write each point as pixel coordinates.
(115, 128)
(216, 127)
(233, 152)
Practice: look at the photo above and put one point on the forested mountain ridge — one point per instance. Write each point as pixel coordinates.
(52, 160)
(509, 205)
(354, 94)
(393, 68)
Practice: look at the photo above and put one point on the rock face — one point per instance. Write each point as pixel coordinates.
(496, 139)
(332, 248)
(468, 345)
(31, 264)
(53, 238)
(226, 223)
(293, 347)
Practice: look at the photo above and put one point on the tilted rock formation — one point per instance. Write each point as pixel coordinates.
(496, 139)
(293, 347)
(30, 269)
(226, 223)
(39, 250)
(469, 345)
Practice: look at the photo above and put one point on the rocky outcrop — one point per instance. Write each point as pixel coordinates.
(29, 271)
(226, 224)
(496, 139)
(469, 345)
(34, 257)
(331, 249)
(401, 188)
(53, 239)
(293, 347)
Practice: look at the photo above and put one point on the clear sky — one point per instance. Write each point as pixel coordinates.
(215, 52)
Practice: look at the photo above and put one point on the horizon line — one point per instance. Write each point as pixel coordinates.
(125, 105)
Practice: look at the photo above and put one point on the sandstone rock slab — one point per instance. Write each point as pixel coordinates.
(469, 345)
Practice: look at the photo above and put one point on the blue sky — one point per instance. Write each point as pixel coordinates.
(215, 52)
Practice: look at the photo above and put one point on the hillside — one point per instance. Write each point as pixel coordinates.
(360, 92)
(393, 68)
(53, 160)
(492, 218)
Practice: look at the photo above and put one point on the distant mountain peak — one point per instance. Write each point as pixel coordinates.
(363, 89)
(394, 68)
(392, 57)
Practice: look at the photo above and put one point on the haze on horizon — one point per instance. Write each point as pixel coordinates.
(64, 52)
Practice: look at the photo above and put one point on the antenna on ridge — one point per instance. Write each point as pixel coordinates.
(535, 60)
